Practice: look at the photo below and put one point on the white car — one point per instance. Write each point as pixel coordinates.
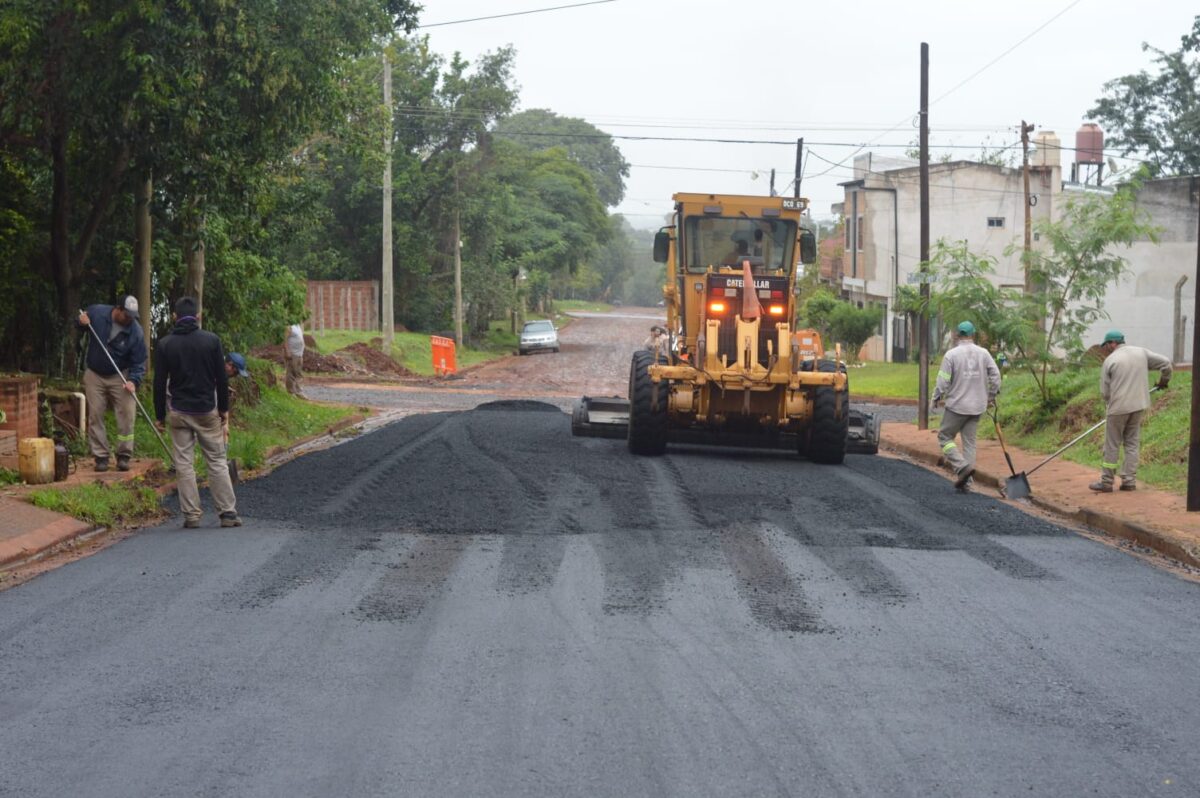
(538, 335)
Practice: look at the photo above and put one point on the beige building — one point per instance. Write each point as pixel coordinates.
(982, 204)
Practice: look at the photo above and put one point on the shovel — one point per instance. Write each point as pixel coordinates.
(1017, 486)
(1000, 437)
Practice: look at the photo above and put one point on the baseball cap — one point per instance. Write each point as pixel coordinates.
(1114, 336)
(239, 363)
(130, 306)
(966, 328)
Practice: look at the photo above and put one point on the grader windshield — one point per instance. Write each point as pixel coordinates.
(728, 241)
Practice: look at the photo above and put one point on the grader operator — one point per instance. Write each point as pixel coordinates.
(734, 371)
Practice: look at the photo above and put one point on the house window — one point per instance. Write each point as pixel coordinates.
(858, 227)
(996, 221)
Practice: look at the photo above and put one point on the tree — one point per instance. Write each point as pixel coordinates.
(585, 144)
(1072, 277)
(853, 326)
(1158, 114)
(817, 311)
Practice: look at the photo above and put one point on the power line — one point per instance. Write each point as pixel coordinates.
(515, 14)
(991, 63)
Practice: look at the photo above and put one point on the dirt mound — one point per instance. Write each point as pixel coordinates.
(374, 359)
(313, 361)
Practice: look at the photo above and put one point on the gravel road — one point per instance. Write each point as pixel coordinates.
(475, 603)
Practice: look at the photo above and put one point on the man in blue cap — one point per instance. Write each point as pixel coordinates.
(1126, 397)
(967, 382)
(118, 341)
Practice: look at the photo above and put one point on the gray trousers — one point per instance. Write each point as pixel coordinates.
(101, 393)
(294, 373)
(965, 426)
(209, 433)
(1122, 431)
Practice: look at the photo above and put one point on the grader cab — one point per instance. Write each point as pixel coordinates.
(734, 371)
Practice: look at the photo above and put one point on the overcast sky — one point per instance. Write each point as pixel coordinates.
(839, 75)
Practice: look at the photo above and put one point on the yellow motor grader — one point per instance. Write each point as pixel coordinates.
(732, 370)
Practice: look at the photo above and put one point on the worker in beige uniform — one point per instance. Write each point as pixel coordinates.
(967, 382)
(1126, 397)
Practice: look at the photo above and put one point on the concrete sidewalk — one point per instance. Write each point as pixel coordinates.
(1152, 518)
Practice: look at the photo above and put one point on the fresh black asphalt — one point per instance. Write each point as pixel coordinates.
(476, 603)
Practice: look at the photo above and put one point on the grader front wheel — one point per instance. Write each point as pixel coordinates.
(830, 421)
(647, 408)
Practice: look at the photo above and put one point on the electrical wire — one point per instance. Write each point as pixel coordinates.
(514, 14)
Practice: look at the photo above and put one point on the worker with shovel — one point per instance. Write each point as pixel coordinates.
(967, 382)
(116, 364)
(1126, 397)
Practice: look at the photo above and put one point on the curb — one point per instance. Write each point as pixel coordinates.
(1114, 526)
(65, 531)
(896, 401)
(36, 544)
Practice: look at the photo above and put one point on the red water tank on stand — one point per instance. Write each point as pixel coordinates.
(1089, 144)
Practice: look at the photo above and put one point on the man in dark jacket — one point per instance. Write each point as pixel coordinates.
(120, 332)
(191, 396)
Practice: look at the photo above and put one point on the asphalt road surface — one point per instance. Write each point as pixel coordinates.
(475, 603)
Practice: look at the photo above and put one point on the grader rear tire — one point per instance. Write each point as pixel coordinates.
(647, 417)
(830, 421)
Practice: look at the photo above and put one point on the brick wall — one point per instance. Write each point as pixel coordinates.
(19, 400)
(343, 305)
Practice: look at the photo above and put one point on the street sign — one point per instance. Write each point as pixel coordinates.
(916, 278)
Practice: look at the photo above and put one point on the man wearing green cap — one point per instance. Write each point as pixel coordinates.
(1126, 398)
(967, 382)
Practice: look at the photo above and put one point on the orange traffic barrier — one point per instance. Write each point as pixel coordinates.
(443, 355)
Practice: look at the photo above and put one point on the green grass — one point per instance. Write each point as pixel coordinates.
(110, 505)
(9, 477)
(1077, 406)
(893, 380)
(413, 351)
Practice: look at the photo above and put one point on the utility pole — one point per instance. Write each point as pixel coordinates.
(923, 334)
(1028, 251)
(772, 182)
(799, 166)
(387, 315)
(458, 305)
(1193, 480)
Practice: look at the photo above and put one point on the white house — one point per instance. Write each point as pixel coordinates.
(984, 204)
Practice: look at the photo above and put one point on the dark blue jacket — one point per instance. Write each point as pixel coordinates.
(128, 349)
(189, 372)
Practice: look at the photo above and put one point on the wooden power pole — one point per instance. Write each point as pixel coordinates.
(1193, 478)
(387, 313)
(923, 333)
(458, 303)
(142, 248)
(1026, 129)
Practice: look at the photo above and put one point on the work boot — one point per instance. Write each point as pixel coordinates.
(1101, 487)
(122, 462)
(101, 464)
(964, 477)
(230, 519)
(966, 487)
(1128, 485)
(191, 523)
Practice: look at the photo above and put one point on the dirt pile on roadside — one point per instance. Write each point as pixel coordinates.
(374, 359)
(313, 360)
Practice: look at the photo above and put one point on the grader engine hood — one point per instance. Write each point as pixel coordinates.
(726, 298)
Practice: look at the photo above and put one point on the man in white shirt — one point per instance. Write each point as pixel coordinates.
(293, 357)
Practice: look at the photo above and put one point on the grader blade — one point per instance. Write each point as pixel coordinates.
(600, 417)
